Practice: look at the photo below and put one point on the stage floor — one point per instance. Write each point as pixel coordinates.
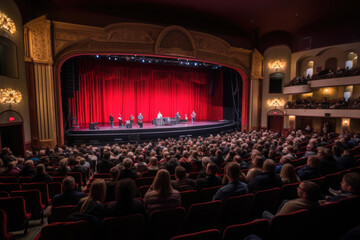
(106, 134)
(107, 127)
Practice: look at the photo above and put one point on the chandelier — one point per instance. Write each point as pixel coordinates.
(6, 23)
(10, 96)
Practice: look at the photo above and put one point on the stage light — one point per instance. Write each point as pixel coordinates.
(143, 60)
(97, 56)
(116, 58)
(195, 63)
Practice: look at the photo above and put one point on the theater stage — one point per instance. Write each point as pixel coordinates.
(105, 134)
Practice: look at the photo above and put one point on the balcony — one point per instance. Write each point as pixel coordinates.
(329, 82)
(336, 113)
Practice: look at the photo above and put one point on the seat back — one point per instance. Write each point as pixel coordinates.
(203, 216)
(4, 235)
(144, 181)
(288, 191)
(212, 234)
(42, 187)
(143, 190)
(8, 179)
(78, 178)
(8, 187)
(193, 175)
(266, 200)
(167, 223)
(4, 194)
(130, 227)
(54, 188)
(206, 194)
(290, 226)
(240, 231)
(238, 209)
(59, 214)
(333, 180)
(16, 213)
(188, 198)
(32, 202)
(67, 230)
(25, 179)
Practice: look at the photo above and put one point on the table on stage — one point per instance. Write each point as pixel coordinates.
(164, 121)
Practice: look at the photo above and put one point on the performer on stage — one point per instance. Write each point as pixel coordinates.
(186, 118)
(111, 118)
(159, 115)
(131, 119)
(120, 120)
(177, 118)
(193, 115)
(140, 120)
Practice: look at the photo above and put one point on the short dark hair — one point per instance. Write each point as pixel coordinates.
(312, 190)
(232, 170)
(180, 172)
(353, 179)
(212, 168)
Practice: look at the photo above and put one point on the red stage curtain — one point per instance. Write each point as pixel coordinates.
(130, 88)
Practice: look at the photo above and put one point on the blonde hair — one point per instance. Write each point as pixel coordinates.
(96, 194)
(288, 174)
(162, 184)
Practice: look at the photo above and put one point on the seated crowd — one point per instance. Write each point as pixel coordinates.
(239, 163)
(325, 104)
(324, 74)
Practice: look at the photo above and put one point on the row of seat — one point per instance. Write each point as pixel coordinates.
(47, 190)
(325, 222)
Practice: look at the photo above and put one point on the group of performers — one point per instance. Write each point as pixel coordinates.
(130, 122)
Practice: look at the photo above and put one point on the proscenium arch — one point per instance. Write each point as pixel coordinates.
(209, 49)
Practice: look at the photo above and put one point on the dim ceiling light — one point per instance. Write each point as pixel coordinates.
(10, 96)
(6, 23)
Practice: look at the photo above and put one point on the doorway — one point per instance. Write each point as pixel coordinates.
(275, 123)
(11, 136)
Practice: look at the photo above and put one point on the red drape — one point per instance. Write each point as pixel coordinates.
(130, 88)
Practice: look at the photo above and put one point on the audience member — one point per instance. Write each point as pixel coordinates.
(311, 170)
(111, 184)
(28, 170)
(288, 174)
(126, 203)
(41, 175)
(127, 170)
(210, 179)
(267, 179)
(161, 195)
(182, 182)
(235, 187)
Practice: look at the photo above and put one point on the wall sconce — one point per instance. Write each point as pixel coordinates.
(345, 122)
(326, 90)
(276, 64)
(276, 102)
(10, 96)
(291, 117)
(6, 23)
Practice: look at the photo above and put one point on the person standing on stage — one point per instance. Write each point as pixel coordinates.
(120, 120)
(111, 118)
(177, 118)
(193, 115)
(131, 119)
(140, 120)
(186, 118)
(159, 115)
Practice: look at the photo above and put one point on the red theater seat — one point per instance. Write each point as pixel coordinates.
(8, 179)
(212, 234)
(238, 209)
(66, 230)
(206, 194)
(266, 200)
(42, 187)
(203, 216)
(144, 181)
(17, 218)
(240, 231)
(288, 191)
(188, 198)
(59, 214)
(130, 227)
(4, 194)
(4, 235)
(168, 223)
(290, 226)
(54, 188)
(32, 202)
(8, 187)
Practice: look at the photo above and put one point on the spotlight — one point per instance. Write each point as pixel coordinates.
(143, 60)
(195, 63)
(109, 58)
(97, 56)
